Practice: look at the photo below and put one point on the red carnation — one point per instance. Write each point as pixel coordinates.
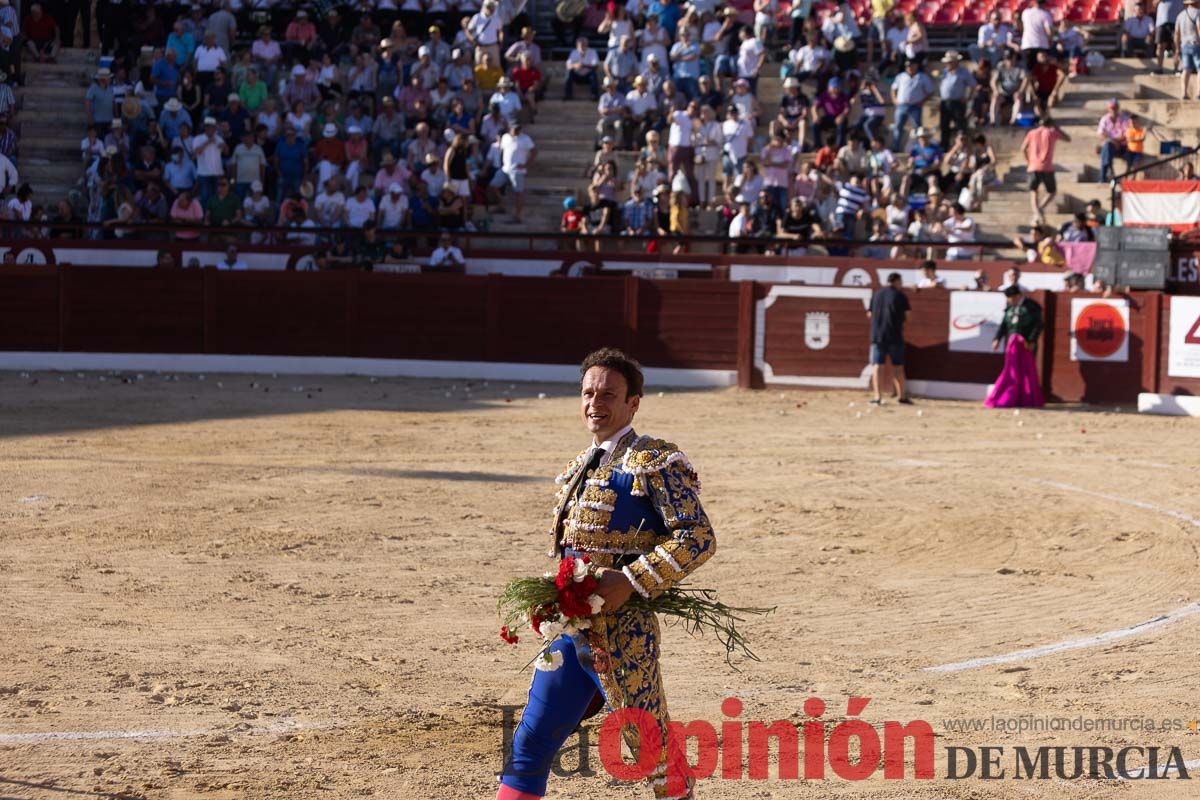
(566, 573)
(511, 638)
(585, 587)
(535, 622)
(573, 606)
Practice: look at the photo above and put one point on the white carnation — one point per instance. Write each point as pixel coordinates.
(551, 630)
(581, 570)
(548, 662)
(596, 602)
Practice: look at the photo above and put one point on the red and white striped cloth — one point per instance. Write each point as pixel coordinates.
(1173, 203)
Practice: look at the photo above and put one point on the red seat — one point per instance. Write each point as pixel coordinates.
(974, 16)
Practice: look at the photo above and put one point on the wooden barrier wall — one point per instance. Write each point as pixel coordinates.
(771, 334)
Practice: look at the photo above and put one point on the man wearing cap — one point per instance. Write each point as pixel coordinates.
(329, 147)
(485, 32)
(910, 90)
(1187, 45)
(613, 112)
(209, 149)
(458, 70)
(582, 66)
(393, 208)
(956, 89)
(831, 112)
(1112, 132)
(99, 100)
(117, 137)
(301, 90)
(235, 116)
(439, 48)
(508, 100)
(300, 38)
(681, 153)
(426, 70)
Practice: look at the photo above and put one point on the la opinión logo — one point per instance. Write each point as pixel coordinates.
(852, 749)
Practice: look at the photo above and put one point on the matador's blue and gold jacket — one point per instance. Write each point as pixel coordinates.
(638, 511)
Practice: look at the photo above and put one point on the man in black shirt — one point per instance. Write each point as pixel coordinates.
(889, 311)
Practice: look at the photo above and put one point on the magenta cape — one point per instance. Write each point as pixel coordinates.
(1018, 385)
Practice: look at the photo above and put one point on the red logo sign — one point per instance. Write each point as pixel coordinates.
(1193, 334)
(1100, 330)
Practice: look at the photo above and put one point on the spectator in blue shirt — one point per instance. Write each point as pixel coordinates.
(638, 213)
(179, 173)
(668, 13)
(165, 76)
(685, 64)
(171, 117)
(925, 158)
(291, 163)
(182, 43)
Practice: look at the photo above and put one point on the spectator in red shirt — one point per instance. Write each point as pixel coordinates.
(41, 34)
(1046, 77)
(329, 147)
(572, 219)
(528, 78)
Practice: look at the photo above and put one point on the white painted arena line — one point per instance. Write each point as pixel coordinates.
(1071, 644)
(1099, 638)
(287, 726)
(1170, 512)
(1165, 772)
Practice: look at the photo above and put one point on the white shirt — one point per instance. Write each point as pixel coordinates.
(208, 159)
(236, 265)
(680, 134)
(446, 257)
(209, 58)
(515, 150)
(1035, 22)
(737, 137)
(610, 444)
(359, 211)
(747, 59)
(392, 212)
(639, 102)
(585, 59)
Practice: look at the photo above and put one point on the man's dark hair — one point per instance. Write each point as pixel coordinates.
(1012, 291)
(928, 263)
(612, 358)
(894, 277)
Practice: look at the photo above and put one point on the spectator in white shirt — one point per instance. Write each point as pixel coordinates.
(447, 256)
(751, 56)
(231, 260)
(1037, 29)
(209, 57)
(208, 148)
(517, 153)
(360, 208)
(393, 208)
(1137, 34)
(929, 277)
(582, 67)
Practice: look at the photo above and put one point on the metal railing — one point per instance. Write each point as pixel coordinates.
(347, 241)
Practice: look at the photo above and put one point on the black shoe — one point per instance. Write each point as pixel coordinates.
(905, 401)
(875, 402)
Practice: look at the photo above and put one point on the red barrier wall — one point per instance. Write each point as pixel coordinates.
(771, 334)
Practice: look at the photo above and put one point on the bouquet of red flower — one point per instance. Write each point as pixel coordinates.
(565, 602)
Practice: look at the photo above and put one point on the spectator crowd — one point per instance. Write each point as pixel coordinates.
(410, 115)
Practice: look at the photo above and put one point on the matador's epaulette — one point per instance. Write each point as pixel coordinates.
(647, 456)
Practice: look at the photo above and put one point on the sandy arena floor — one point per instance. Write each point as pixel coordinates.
(290, 594)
